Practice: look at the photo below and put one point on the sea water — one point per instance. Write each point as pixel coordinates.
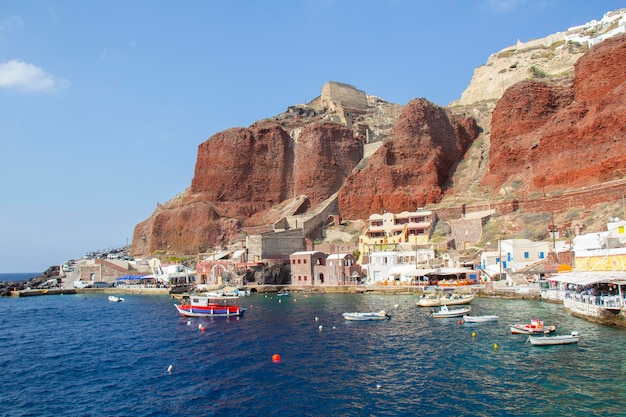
(81, 355)
(18, 276)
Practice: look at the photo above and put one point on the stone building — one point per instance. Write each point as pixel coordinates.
(304, 266)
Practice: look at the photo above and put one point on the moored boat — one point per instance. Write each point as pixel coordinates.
(437, 300)
(207, 306)
(381, 315)
(535, 326)
(444, 312)
(480, 319)
(115, 298)
(554, 340)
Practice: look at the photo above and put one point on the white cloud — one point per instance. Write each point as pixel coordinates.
(22, 76)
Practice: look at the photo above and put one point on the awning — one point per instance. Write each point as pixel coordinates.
(130, 278)
(420, 272)
(400, 270)
(589, 278)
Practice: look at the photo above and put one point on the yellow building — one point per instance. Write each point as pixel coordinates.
(406, 229)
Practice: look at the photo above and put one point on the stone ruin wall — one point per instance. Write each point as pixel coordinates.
(337, 96)
(584, 199)
(344, 100)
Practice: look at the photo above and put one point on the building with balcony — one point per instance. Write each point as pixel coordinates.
(407, 229)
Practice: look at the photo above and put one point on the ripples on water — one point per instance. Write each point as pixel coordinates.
(83, 355)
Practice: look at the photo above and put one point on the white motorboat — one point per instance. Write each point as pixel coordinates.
(554, 340)
(438, 299)
(381, 315)
(479, 319)
(444, 312)
(115, 298)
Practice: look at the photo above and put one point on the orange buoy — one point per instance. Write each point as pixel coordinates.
(275, 358)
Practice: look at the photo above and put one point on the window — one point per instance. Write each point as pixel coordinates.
(526, 255)
(542, 255)
(304, 261)
(299, 261)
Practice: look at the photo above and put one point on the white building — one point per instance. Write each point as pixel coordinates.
(390, 267)
(513, 255)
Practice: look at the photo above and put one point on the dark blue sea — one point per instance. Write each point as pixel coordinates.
(81, 355)
(18, 276)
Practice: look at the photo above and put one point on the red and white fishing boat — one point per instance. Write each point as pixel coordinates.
(210, 306)
(535, 326)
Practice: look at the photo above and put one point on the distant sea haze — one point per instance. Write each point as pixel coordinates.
(18, 276)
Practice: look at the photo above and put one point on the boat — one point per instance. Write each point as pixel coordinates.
(209, 306)
(237, 293)
(115, 298)
(479, 319)
(381, 315)
(282, 294)
(444, 312)
(535, 326)
(554, 340)
(438, 299)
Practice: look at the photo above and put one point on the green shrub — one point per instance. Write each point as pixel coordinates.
(537, 72)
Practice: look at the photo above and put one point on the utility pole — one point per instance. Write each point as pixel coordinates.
(556, 255)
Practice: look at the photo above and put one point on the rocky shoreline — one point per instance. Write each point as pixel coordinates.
(6, 287)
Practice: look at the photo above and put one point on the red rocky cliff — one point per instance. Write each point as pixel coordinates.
(548, 135)
(240, 175)
(411, 169)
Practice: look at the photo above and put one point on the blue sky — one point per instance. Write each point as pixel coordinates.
(104, 103)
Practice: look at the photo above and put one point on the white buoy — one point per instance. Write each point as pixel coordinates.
(169, 369)
(280, 301)
(317, 318)
(188, 322)
(396, 306)
(334, 327)
(320, 327)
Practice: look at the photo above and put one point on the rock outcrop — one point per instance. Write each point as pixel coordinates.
(531, 120)
(411, 169)
(548, 136)
(241, 175)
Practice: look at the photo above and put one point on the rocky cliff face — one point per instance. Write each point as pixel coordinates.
(242, 175)
(551, 130)
(554, 135)
(411, 169)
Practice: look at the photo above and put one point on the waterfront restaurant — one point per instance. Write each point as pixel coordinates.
(598, 295)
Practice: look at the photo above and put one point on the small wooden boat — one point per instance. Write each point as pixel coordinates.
(381, 315)
(535, 326)
(479, 319)
(554, 340)
(437, 299)
(444, 312)
(115, 298)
